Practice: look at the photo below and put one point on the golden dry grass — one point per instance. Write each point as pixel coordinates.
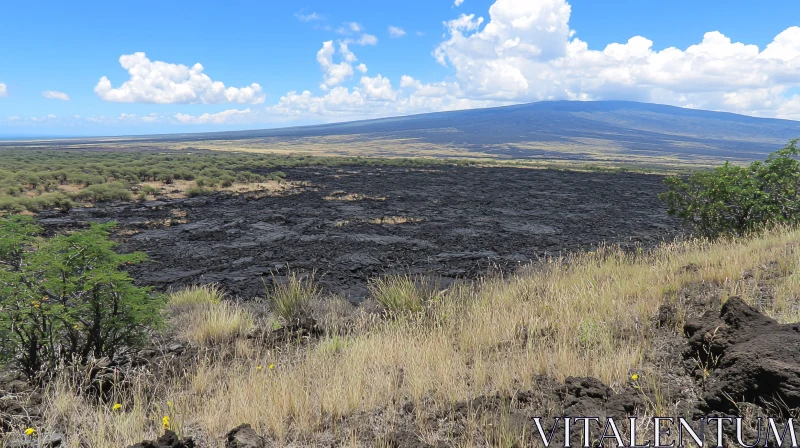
(583, 315)
(205, 318)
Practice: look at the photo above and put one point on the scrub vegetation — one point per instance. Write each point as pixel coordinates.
(32, 180)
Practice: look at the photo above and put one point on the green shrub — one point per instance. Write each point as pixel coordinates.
(64, 299)
(197, 191)
(735, 199)
(149, 189)
(113, 191)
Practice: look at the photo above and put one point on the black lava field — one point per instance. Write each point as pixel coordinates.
(350, 224)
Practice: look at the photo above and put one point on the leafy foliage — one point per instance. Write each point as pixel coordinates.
(736, 199)
(65, 298)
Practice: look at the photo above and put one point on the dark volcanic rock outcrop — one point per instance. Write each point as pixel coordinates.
(168, 440)
(751, 358)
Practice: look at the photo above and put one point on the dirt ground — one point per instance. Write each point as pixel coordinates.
(350, 224)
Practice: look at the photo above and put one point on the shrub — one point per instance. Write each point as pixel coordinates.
(149, 190)
(104, 192)
(737, 200)
(197, 191)
(65, 298)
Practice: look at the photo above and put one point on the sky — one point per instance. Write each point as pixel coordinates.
(146, 67)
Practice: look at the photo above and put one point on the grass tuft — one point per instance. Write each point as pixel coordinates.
(290, 300)
(403, 293)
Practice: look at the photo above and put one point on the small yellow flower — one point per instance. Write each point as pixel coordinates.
(35, 304)
(165, 422)
(30, 432)
(635, 376)
(116, 407)
(75, 326)
(258, 367)
(271, 366)
(169, 404)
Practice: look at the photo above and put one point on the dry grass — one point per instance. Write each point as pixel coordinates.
(291, 299)
(350, 197)
(205, 319)
(391, 220)
(584, 315)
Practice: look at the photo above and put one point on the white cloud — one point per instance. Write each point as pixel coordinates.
(362, 68)
(350, 28)
(527, 52)
(395, 31)
(54, 95)
(367, 39)
(44, 118)
(226, 116)
(458, 2)
(335, 73)
(374, 97)
(165, 83)
(3, 90)
(307, 17)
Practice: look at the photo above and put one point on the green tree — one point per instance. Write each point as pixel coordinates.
(737, 199)
(65, 298)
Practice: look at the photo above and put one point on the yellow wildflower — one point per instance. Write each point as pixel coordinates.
(258, 367)
(30, 432)
(165, 422)
(116, 407)
(169, 404)
(271, 366)
(635, 376)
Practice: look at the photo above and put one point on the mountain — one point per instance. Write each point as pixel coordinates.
(567, 128)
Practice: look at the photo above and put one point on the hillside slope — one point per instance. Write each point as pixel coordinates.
(557, 129)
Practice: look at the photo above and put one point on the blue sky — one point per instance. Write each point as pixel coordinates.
(447, 58)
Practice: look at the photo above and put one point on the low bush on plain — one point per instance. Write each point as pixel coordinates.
(739, 199)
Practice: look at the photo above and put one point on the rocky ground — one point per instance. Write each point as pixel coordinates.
(350, 224)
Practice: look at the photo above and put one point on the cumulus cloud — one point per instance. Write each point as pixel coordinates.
(3, 90)
(226, 116)
(527, 51)
(395, 31)
(54, 95)
(374, 97)
(458, 2)
(164, 83)
(335, 73)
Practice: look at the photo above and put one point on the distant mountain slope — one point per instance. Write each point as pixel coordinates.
(577, 127)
